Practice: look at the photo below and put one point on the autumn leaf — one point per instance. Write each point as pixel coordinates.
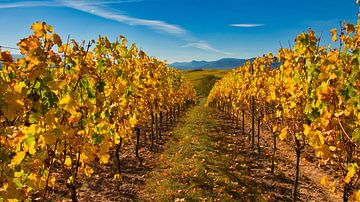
(18, 158)
(6, 58)
(67, 161)
(133, 121)
(350, 28)
(52, 182)
(65, 100)
(57, 39)
(352, 168)
(88, 171)
(324, 180)
(357, 195)
(283, 134)
(117, 177)
(307, 129)
(333, 34)
(104, 159)
(274, 129)
(38, 29)
(316, 139)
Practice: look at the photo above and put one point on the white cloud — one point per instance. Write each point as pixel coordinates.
(21, 4)
(99, 8)
(205, 46)
(57, 3)
(246, 25)
(95, 8)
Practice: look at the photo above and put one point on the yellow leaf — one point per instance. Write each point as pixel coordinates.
(332, 76)
(19, 86)
(49, 28)
(75, 117)
(68, 161)
(273, 95)
(333, 187)
(357, 195)
(306, 129)
(104, 159)
(117, 138)
(32, 177)
(65, 100)
(324, 180)
(18, 158)
(348, 110)
(4, 187)
(333, 34)
(52, 181)
(332, 148)
(352, 168)
(38, 29)
(70, 180)
(274, 129)
(316, 139)
(19, 102)
(117, 177)
(292, 105)
(339, 113)
(32, 149)
(88, 171)
(283, 133)
(41, 141)
(133, 121)
(19, 174)
(31, 129)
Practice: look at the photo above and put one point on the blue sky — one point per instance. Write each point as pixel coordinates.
(181, 30)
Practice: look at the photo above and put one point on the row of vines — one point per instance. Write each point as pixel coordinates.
(65, 107)
(307, 95)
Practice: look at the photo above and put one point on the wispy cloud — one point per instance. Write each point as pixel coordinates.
(21, 4)
(99, 8)
(246, 25)
(205, 46)
(57, 3)
(102, 9)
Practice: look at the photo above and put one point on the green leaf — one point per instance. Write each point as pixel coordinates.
(351, 91)
(91, 93)
(100, 86)
(356, 135)
(37, 85)
(18, 183)
(96, 138)
(129, 91)
(34, 117)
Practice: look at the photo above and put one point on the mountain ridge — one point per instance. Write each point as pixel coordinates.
(223, 63)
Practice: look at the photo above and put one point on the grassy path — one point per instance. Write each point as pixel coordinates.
(200, 163)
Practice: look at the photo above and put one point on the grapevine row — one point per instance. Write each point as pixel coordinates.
(67, 108)
(307, 95)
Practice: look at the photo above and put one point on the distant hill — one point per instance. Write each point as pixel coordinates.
(225, 63)
(16, 56)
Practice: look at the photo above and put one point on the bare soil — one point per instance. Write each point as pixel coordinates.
(248, 170)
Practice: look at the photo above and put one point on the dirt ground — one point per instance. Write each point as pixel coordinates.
(248, 171)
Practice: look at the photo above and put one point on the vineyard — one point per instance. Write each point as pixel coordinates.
(65, 110)
(310, 100)
(282, 127)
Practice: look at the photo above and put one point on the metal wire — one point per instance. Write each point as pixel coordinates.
(8, 47)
